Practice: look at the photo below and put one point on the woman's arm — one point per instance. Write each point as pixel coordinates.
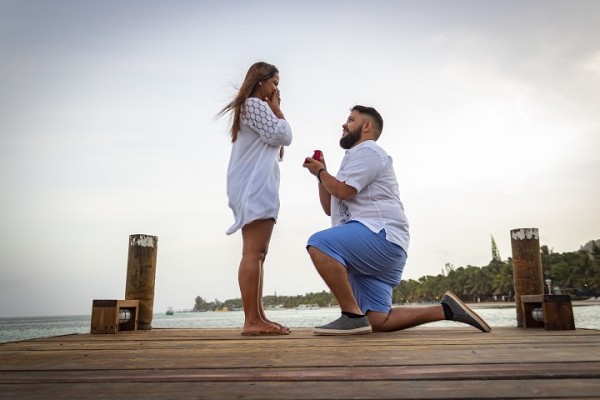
(259, 116)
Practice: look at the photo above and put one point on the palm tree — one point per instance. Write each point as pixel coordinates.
(503, 281)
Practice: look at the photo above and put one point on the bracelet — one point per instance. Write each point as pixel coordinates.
(319, 174)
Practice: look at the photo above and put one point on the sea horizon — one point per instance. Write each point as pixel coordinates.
(586, 315)
(482, 304)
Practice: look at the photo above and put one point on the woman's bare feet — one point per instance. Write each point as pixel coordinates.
(285, 328)
(264, 328)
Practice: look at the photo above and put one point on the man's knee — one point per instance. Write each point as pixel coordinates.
(377, 320)
(313, 251)
(322, 259)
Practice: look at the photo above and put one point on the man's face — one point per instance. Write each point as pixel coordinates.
(351, 130)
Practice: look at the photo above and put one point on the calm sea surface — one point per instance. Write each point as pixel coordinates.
(13, 329)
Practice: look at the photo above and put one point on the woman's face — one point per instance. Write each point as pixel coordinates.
(269, 87)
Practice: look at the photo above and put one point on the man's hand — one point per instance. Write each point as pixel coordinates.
(313, 165)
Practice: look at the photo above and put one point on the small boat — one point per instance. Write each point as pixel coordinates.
(170, 311)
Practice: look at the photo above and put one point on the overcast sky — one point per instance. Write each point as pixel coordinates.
(108, 128)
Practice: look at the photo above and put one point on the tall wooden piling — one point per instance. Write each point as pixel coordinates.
(141, 272)
(527, 266)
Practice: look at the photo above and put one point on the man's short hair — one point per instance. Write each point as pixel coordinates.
(373, 114)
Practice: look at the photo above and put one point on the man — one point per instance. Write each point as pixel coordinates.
(362, 257)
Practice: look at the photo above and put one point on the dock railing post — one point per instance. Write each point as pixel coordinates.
(141, 273)
(527, 266)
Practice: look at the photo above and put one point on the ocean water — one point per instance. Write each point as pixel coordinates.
(14, 329)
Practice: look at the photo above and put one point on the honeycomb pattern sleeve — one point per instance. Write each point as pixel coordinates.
(260, 118)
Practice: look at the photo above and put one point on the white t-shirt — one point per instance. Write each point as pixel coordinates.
(369, 169)
(253, 172)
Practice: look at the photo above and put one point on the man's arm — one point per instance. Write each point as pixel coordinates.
(325, 199)
(328, 184)
(332, 187)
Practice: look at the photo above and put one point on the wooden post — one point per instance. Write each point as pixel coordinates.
(141, 272)
(527, 266)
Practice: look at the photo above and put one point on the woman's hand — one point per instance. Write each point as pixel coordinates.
(274, 103)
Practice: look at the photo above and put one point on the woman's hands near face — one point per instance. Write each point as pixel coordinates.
(274, 98)
(271, 95)
(274, 101)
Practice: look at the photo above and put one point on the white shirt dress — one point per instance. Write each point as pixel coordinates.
(253, 172)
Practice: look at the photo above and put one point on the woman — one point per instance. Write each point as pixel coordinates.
(258, 133)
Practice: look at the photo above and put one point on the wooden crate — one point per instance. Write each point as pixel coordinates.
(105, 316)
(557, 311)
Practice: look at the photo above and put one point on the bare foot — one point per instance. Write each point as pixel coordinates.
(285, 328)
(264, 328)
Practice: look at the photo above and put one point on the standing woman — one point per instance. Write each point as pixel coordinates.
(258, 133)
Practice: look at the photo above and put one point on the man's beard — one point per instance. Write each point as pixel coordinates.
(351, 138)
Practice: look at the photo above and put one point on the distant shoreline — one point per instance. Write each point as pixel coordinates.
(501, 304)
(508, 304)
(491, 304)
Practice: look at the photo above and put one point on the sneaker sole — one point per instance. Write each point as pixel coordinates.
(470, 312)
(342, 332)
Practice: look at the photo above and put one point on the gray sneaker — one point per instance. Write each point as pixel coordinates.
(464, 314)
(344, 325)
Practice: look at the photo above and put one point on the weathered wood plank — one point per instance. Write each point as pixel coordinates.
(234, 334)
(162, 339)
(470, 389)
(316, 374)
(280, 356)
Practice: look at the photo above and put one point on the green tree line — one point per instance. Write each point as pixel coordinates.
(576, 273)
(322, 299)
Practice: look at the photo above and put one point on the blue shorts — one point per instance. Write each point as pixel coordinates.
(374, 264)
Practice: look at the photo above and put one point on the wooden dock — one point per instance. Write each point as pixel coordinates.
(419, 363)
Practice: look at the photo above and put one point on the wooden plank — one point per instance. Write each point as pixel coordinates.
(532, 298)
(307, 356)
(469, 389)
(377, 340)
(168, 337)
(316, 374)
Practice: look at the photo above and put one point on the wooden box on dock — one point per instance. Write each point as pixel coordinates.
(556, 310)
(108, 318)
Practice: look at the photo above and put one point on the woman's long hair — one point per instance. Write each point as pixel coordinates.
(256, 73)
